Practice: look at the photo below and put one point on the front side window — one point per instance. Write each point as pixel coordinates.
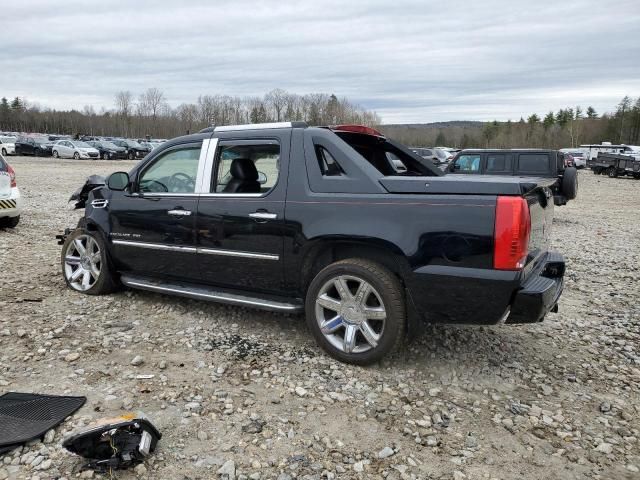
(247, 167)
(173, 172)
(467, 164)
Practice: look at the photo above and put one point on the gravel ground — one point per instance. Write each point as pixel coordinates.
(246, 394)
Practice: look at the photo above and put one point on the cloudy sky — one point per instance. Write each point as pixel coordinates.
(410, 60)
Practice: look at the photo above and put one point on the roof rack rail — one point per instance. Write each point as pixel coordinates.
(254, 126)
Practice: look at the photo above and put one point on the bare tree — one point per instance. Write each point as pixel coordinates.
(277, 99)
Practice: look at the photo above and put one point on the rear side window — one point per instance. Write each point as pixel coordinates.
(533, 163)
(3, 164)
(329, 166)
(467, 164)
(247, 166)
(498, 163)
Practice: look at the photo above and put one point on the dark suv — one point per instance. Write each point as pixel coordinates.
(132, 148)
(521, 163)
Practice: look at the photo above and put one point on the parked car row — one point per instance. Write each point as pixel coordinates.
(440, 156)
(64, 146)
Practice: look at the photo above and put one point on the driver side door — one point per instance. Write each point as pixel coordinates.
(153, 226)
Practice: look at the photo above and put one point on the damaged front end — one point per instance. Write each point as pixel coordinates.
(81, 195)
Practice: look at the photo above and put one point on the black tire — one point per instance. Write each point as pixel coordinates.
(597, 170)
(54, 154)
(9, 222)
(131, 156)
(76, 156)
(4, 152)
(106, 281)
(636, 176)
(391, 294)
(612, 172)
(570, 183)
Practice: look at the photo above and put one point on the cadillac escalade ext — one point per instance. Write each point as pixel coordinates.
(325, 221)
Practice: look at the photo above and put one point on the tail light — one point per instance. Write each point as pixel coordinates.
(511, 236)
(12, 176)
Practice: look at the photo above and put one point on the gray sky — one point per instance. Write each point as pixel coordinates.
(410, 60)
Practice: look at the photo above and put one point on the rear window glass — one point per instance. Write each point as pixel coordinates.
(498, 163)
(534, 162)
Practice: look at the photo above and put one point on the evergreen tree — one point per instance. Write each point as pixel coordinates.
(548, 121)
(591, 112)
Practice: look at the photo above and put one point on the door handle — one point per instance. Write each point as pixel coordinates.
(263, 215)
(179, 213)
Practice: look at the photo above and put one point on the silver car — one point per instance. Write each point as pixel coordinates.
(74, 149)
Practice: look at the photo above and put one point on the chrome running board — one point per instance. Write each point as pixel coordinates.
(200, 292)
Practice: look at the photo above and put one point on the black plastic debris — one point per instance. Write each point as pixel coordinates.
(27, 416)
(80, 196)
(114, 443)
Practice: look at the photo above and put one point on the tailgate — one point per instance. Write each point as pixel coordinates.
(540, 201)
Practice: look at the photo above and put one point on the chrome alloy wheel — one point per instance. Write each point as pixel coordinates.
(350, 314)
(82, 263)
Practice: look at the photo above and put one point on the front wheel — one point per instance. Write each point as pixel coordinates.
(85, 265)
(55, 154)
(4, 152)
(356, 311)
(131, 156)
(612, 172)
(76, 156)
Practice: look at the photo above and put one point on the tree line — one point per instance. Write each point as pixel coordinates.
(149, 113)
(568, 127)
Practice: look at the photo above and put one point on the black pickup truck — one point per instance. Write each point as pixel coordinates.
(292, 218)
(523, 163)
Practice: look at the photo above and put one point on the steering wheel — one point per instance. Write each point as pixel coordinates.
(181, 182)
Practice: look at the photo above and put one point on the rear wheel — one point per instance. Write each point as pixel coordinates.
(85, 266)
(9, 222)
(356, 311)
(597, 170)
(636, 176)
(132, 155)
(612, 172)
(570, 183)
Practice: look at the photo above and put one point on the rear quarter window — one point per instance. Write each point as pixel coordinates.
(498, 163)
(534, 163)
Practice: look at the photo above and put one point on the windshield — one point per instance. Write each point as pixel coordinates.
(82, 145)
(41, 140)
(442, 154)
(131, 143)
(7, 139)
(108, 145)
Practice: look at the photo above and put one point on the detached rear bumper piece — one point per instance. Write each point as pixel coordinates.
(539, 294)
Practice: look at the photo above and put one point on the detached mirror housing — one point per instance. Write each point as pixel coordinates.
(262, 178)
(118, 181)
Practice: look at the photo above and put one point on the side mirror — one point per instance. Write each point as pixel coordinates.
(262, 178)
(118, 181)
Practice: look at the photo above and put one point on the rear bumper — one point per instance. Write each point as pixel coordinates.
(539, 294)
(443, 294)
(11, 206)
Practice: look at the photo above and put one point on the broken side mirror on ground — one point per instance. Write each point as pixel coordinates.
(114, 443)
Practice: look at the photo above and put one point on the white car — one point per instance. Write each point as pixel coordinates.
(73, 149)
(578, 157)
(10, 200)
(7, 146)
